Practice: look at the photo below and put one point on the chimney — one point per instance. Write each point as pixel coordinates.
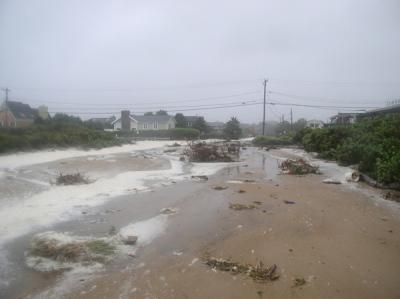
(43, 112)
(125, 120)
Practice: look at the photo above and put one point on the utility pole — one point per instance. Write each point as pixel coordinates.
(6, 91)
(265, 95)
(291, 119)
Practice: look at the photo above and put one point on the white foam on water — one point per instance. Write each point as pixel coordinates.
(31, 158)
(146, 230)
(60, 203)
(208, 168)
(71, 279)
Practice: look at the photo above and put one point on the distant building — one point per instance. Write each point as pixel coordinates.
(382, 111)
(314, 124)
(216, 126)
(190, 120)
(344, 118)
(130, 122)
(19, 115)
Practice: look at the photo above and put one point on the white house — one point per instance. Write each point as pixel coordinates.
(130, 122)
(314, 124)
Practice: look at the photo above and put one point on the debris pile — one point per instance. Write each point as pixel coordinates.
(200, 177)
(298, 166)
(392, 195)
(258, 273)
(298, 282)
(213, 152)
(219, 188)
(71, 179)
(168, 211)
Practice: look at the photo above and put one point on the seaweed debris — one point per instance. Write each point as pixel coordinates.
(239, 206)
(258, 273)
(298, 167)
(213, 152)
(298, 282)
(52, 248)
(72, 179)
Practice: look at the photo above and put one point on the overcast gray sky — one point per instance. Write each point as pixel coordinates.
(102, 56)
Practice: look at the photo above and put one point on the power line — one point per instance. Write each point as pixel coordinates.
(155, 103)
(277, 102)
(369, 83)
(178, 110)
(148, 108)
(221, 106)
(121, 90)
(265, 94)
(308, 98)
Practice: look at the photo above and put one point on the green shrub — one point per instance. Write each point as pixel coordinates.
(373, 144)
(55, 134)
(184, 133)
(176, 133)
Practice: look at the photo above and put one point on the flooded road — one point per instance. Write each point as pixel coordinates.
(166, 261)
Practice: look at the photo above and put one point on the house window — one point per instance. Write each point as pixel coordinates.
(155, 125)
(144, 126)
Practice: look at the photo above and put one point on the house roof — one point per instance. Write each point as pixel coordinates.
(21, 110)
(385, 110)
(152, 118)
(148, 118)
(192, 118)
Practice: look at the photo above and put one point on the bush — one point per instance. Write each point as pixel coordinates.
(55, 135)
(177, 133)
(184, 133)
(373, 144)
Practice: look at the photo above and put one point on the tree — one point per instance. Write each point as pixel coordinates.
(300, 124)
(148, 113)
(201, 125)
(180, 121)
(161, 112)
(65, 118)
(232, 129)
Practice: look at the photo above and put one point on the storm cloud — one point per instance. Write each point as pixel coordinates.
(98, 57)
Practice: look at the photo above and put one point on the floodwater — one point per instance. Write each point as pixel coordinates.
(128, 189)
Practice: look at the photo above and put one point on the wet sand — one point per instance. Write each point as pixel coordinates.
(344, 243)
